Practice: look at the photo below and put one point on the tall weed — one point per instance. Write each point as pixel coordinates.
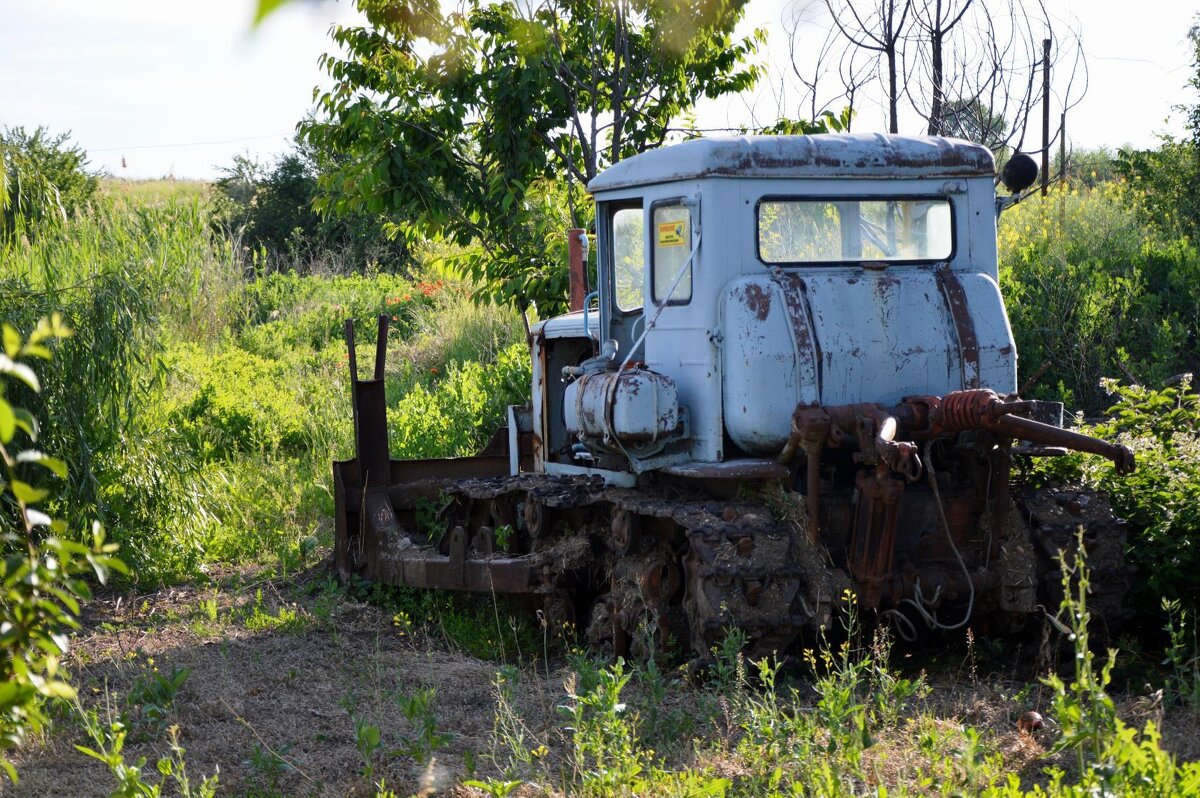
(1093, 292)
(116, 275)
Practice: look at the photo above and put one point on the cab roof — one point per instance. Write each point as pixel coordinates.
(859, 155)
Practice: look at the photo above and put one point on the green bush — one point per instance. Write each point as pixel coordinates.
(286, 311)
(272, 206)
(239, 402)
(456, 416)
(1160, 498)
(41, 572)
(126, 279)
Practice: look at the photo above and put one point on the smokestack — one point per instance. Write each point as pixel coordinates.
(577, 259)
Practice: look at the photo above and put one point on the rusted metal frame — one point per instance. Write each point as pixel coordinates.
(984, 409)
(510, 576)
(343, 566)
(748, 468)
(876, 429)
(1001, 474)
(370, 411)
(873, 541)
(795, 297)
(811, 427)
(1030, 430)
(964, 324)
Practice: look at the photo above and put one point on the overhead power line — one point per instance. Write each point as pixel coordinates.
(187, 143)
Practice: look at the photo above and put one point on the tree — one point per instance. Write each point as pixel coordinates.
(881, 27)
(971, 120)
(42, 177)
(1167, 179)
(271, 204)
(482, 128)
(953, 67)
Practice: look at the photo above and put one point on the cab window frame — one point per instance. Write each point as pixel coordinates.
(835, 198)
(610, 216)
(681, 202)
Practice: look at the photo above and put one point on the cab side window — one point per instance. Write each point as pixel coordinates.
(629, 257)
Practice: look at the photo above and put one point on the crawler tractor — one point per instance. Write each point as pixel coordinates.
(793, 377)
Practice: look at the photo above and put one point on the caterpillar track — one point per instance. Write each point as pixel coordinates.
(1055, 518)
(643, 571)
(638, 571)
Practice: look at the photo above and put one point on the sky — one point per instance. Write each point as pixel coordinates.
(154, 88)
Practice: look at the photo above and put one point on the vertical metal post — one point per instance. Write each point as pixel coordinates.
(1045, 115)
(381, 347)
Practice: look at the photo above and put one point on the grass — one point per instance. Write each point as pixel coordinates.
(154, 192)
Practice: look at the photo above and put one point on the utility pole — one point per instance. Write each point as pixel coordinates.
(1045, 115)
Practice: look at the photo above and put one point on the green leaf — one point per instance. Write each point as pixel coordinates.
(44, 460)
(8, 421)
(27, 493)
(27, 422)
(12, 341)
(57, 689)
(266, 8)
(20, 371)
(52, 327)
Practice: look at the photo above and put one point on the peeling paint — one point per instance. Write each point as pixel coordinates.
(759, 301)
(852, 155)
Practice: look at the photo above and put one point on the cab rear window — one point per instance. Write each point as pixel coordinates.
(815, 231)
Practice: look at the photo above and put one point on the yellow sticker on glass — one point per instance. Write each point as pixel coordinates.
(672, 234)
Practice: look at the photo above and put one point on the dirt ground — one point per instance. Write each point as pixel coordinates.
(274, 676)
(282, 690)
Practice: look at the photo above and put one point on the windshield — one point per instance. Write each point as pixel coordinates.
(811, 231)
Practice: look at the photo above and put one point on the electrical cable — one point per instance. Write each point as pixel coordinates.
(931, 618)
(187, 143)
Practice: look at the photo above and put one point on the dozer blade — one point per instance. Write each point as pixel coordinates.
(378, 500)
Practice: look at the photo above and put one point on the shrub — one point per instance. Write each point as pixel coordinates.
(240, 403)
(286, 311)
(456, 416)
(1094, 293)
(1159, 499)
(272, 205)
(41, 573)
(120, 277)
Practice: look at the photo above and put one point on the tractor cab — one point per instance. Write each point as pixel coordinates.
(741, 278)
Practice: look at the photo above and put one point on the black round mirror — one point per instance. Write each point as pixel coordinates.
(1019, 173)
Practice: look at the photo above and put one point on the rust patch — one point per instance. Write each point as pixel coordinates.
(808, 349)
(964, 325)
(759, 301)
